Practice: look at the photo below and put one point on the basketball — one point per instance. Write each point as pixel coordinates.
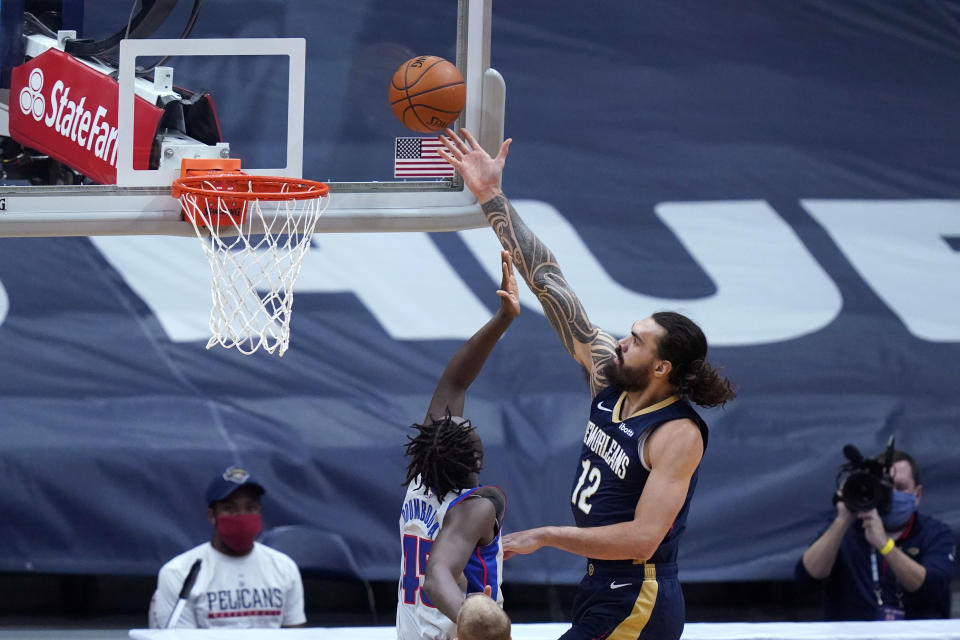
(427, 93)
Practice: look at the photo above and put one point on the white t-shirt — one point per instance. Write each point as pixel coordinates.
(262, 589)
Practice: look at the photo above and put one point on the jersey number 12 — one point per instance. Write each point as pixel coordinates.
(587, 485)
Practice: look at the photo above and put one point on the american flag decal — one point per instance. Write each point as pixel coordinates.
(418, 158)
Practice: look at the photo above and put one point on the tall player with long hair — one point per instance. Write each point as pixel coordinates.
(643, 442)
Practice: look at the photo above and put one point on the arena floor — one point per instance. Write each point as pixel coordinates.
(902, 630)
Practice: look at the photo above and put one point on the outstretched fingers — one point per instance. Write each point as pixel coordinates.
(504, 150)
(454, 143)
(509, 292)
(455, 163)
(451, 154)
(470, 139)
(481, 173)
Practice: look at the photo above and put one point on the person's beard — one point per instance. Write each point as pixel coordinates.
(625, 378)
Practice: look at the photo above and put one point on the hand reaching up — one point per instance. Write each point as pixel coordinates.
(481, 173)
(509, 292)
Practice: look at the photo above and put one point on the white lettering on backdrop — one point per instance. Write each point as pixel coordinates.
(769, 288)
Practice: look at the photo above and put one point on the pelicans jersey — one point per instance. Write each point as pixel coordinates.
(612, 474)
(626, 599)
(421, 519)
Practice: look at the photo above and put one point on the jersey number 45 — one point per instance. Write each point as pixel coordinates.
(416, 552)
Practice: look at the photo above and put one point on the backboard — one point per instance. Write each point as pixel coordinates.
(294, 88)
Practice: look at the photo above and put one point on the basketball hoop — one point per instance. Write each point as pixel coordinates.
(255, 231)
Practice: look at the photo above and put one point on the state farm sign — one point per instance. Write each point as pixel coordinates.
(69, 111)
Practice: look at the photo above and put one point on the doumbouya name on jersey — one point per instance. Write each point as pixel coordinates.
(417, 509)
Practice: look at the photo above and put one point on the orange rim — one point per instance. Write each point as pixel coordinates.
(241, 186)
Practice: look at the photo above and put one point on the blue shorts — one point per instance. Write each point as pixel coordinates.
(623, 601)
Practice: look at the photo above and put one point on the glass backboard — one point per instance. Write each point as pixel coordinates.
(295, 88)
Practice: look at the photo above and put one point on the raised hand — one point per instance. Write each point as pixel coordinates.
(509, 292)
(481, 173)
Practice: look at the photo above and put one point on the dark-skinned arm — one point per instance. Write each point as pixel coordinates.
(466, 363)
(469, 524)
(589, 345)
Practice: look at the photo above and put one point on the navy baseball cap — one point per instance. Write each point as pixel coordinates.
(229, 481)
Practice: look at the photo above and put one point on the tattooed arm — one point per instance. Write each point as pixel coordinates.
(589, 345)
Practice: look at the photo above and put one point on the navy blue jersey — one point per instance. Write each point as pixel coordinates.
(611, 475)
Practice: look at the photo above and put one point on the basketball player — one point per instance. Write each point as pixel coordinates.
(446, 516)
(643, 442)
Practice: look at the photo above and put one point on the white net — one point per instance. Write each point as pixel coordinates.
(255, 256)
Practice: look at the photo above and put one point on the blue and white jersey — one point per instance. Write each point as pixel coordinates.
(421, 519)
(612, 473)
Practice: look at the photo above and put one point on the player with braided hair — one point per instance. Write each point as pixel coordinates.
(447, 517)
(443, 454)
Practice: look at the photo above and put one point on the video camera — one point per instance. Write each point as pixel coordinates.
(866, 481)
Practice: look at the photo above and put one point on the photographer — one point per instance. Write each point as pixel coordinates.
(881, 567)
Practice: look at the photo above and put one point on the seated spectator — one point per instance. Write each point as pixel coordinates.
(481, 618)
(241, 583)
(888, 567)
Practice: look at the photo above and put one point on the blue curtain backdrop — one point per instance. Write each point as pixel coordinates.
(835, 122)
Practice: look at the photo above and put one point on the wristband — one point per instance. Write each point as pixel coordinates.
(887, 548)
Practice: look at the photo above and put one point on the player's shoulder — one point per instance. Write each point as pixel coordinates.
(677, 436)
(681, 426)
(490, 491)
(683, 410)
(487, 499)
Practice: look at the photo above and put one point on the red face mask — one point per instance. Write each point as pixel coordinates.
(239, 532)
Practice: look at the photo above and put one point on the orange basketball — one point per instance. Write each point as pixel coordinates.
(427, 93)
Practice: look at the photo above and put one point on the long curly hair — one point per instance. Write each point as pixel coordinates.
(442, 454)
(685, 346)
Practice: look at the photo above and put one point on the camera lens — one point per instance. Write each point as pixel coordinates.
(862, 491)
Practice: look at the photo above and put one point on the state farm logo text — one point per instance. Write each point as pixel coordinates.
(71, 119)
